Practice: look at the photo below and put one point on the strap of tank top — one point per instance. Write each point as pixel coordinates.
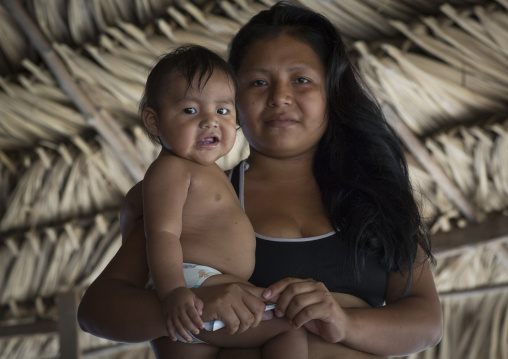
(234, 176)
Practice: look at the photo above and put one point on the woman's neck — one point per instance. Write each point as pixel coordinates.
(288, 170)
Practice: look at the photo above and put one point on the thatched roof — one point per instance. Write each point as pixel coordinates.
(72, 72)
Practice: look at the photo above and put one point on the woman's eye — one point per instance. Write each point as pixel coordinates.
(302, 80)
(222, 111)
(190, 111)
(259, 83)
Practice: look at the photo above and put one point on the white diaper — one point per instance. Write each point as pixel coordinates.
(195, 274)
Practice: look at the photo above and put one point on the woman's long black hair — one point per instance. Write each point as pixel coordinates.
(359, 164)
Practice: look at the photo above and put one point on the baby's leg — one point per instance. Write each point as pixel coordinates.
(287, 341)
(290, 344)
(164, 348)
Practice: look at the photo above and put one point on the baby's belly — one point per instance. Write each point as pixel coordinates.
(236, 257)
(223, 239)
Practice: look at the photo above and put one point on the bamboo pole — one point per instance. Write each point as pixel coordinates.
(97, 117)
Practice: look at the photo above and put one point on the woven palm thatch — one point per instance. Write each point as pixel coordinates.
(475, 158)
(462, 75)
(62, 180)
(476, 319)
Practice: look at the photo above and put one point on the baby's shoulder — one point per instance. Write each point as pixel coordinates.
(170, 162)
(169, 168)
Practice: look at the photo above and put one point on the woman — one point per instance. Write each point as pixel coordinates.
(326, 189)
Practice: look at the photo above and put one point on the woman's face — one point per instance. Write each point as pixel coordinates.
(282, 97)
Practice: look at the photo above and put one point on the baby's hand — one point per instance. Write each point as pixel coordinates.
(182, 309)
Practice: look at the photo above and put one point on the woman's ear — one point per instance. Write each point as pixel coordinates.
(150, 120)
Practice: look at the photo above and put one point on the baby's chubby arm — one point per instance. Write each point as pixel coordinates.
(165, 189)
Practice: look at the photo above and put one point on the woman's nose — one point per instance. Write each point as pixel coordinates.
(280, 94)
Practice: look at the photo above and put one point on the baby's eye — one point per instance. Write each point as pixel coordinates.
(190, 110)
(259, 83)
(222, 111)
(302, 80)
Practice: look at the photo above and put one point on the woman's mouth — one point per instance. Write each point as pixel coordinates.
(281, 121)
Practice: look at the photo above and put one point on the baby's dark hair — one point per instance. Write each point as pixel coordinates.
(188, 61)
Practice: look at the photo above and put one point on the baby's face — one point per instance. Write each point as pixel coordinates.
(198, 124)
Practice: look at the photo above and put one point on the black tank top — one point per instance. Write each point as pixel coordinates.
(324, 258)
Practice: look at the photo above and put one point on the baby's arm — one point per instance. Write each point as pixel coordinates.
(165, 190)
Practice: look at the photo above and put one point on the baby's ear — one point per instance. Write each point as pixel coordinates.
(149, 117)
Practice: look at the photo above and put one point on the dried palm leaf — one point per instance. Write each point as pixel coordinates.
(80, 20)
(120, 67)
(437, 69)
(395, 9)
(127, 92)
(109, 245)
(13, 44)
(367, 15)
(494, 28)
(499, 169)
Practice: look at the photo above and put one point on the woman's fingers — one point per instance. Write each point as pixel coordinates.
(236, 304)
(255, 305)
(247, 307)
(305, 302)
(293, 291)
(303, 297)
(307, 307)
(275, 289)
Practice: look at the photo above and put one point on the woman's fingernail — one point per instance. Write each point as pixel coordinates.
(278, 313)
(267, 293)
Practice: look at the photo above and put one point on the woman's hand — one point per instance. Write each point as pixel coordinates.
(309, 303)
(238, 305)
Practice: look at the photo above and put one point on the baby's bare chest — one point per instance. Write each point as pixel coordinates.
(212, 205)
(215, 223)
(211, 192)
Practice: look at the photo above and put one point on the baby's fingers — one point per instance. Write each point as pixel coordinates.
(191, 320)
(180, 328)
(195, 321)
(171, 330)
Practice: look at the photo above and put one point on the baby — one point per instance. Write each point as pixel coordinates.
(197, 233)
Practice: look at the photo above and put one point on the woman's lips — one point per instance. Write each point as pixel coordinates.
(281, 121)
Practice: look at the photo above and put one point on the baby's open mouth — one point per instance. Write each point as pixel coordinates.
(208, 140)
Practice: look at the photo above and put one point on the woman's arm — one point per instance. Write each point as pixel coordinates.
(407, 324)
(116, 306)
(318, 348)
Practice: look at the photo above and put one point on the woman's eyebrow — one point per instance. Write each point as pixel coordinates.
(292, 68)
(256, 70)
